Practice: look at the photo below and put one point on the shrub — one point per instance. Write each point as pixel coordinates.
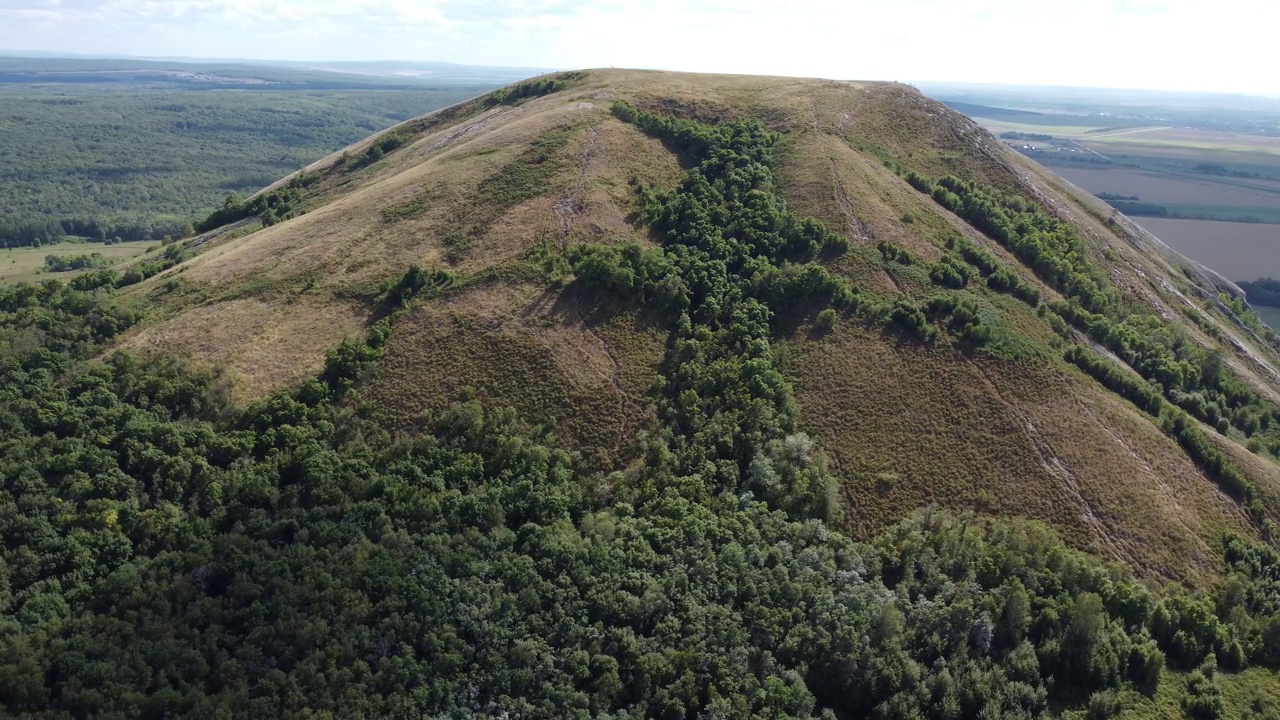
(1203, 700)
(951, 272)
(907, 316)
(1146, 662)
(827, 320)
(892, 253)
(1103, 704)
(527, 89)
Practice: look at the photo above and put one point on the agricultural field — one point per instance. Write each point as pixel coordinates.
(1192, 139)
(1164, 187)
(27, 264)
(1202, 174)
(1239, 251)
(1067, 129)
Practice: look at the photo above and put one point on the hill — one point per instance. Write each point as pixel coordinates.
(479, 192)
(810, 382)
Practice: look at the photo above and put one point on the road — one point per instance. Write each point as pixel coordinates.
(1126, 132)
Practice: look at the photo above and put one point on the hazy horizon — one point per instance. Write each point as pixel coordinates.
(320, 63)
(1169, 45)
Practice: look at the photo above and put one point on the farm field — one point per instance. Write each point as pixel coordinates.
(1165, 187)
(1205, 180)
(26, 264)
(1180, 148)
(1002, 126)
(1192, 139)
(1239, 251)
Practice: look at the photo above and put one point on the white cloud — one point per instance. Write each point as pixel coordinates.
(1173, 44)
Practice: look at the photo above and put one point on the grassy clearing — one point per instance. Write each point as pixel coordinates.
(26, 264)
(1017, 437)
(1251, 694)
(897, 442)
(582, 371)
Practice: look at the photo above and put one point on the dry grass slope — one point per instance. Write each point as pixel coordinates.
(578, 369)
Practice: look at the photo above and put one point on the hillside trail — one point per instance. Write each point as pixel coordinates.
(1053, 464)
(1170, 494)
(854, 226)
(565, 211)
(468, 128)
(857, 229)
(571, 205)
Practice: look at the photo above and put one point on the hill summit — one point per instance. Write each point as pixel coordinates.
(639, 394)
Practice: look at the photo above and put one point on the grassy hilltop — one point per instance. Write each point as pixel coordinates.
(646, 394)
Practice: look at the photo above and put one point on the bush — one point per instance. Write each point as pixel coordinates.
(527, 89)
(907, 316)
(1103, 704)
(951, 272)
(66, 263)
(1116, 379)
(827, 320)
(892, 253)
(1203, 700)
(344, 365)
(1146, 663)
(414, 282)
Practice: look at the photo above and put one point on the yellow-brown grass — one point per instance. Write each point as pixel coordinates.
(350, 245)
(288, 345)
(908, 425)
(580, 370)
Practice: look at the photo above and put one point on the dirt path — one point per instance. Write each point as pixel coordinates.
(1125, 132)
(570, 205)
(1118, 546)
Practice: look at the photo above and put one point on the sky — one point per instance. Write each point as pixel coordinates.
(1193, 45)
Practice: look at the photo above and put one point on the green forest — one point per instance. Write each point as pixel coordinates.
(168, 554)
(145, 161)
(1263, 291)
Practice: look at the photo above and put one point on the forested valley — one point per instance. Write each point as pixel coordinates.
(146, 160)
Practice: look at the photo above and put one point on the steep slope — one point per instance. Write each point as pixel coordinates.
(495, 194)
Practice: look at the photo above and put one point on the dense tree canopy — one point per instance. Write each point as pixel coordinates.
(144, 161)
